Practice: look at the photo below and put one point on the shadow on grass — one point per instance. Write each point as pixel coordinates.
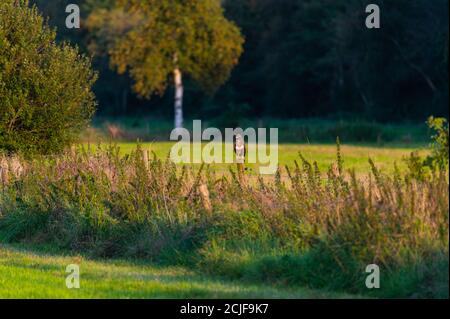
(39, 272)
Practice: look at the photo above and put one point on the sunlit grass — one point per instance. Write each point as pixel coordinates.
(26, 274)
(302, 233)
(355, 157)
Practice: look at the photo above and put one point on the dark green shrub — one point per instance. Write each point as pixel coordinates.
(45, 88)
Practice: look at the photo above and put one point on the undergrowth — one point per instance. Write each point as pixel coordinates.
(317, 229)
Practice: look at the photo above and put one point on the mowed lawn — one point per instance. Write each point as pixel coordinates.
(355, 156)
(26, 274)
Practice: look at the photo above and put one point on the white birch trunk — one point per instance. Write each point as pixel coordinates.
(178, 98)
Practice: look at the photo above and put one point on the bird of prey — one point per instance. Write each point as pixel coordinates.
(239, 148)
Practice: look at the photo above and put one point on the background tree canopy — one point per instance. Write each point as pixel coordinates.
(146, 37)
(161, 40)
(306, 58)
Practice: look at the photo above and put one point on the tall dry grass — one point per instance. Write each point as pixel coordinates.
(309, 229)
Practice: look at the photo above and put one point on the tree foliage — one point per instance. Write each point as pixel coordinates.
(316, 58)
(440, 145)
(308, 58)
(45, 88)
(152, 38)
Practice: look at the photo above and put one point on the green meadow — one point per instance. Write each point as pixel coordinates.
(39, 273)
(143, 228)
(354, 156)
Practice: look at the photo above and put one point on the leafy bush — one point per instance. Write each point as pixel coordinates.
(420, 168)
(440, 145)
(45, 88)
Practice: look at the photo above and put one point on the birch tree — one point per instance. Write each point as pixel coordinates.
(162, 42)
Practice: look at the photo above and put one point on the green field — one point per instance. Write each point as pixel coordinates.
(355, 156)
(235, 253)
(26, 274)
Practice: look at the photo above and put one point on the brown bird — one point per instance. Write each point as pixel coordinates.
(239, 148)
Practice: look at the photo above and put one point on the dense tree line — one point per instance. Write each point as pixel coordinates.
(305, 58)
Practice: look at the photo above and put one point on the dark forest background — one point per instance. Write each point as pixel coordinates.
(304, 58)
